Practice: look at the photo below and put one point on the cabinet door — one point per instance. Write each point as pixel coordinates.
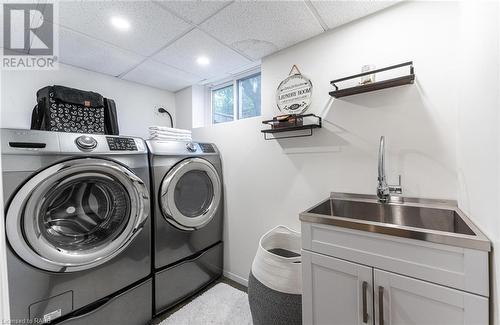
(335, 291)
(401, 300)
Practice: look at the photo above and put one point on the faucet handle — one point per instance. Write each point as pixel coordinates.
(398, 189)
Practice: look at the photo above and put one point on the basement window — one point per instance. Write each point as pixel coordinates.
(236, 99)
(223, 104)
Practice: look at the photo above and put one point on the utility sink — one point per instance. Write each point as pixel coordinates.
(402, 215)
(438, 221)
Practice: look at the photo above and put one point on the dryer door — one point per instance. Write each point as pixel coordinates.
(77, 214)
(190, 194)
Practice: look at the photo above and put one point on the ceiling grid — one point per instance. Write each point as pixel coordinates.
(161, 50)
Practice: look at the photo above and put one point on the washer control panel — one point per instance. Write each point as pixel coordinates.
(86, 142)
(121, 144)
(207, 147)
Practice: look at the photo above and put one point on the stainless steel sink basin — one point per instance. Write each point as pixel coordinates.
(424, 219)
(403, 215)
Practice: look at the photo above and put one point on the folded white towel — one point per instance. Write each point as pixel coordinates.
(169, 133)
(167, 129)
(169, 136)
(171, 139)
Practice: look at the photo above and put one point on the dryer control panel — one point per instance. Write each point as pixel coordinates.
(121, 144)
(207, 147)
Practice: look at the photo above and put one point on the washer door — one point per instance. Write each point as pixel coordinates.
(77, 214)
(190, 194)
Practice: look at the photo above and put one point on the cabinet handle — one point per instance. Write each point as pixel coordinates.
(365, 308)
(381, 305)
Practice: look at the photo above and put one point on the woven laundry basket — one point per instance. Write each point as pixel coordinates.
(275, 281)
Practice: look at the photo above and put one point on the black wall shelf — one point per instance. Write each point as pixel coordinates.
(394, 82)
(280, 130)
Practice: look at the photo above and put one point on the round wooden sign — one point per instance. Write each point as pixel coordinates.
(294, 94)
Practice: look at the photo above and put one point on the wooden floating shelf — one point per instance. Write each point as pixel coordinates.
(406, 80)
(309, 127)
(292, 128)
(373, 86)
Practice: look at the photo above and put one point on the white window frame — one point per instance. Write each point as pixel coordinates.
(220, 86)
(237, 103)
(234, 82)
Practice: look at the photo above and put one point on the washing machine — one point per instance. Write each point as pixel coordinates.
(187, 194)
(77, 226)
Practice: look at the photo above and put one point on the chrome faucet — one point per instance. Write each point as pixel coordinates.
(384, 191)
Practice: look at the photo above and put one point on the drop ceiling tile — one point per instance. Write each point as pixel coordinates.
(193, 11)
(151, 27)
(182, 54)
(79, 50)
(255, 49)
(161, 76)
(336, 13)
(260, 28)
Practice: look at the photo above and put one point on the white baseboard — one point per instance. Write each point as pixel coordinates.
(236, 278)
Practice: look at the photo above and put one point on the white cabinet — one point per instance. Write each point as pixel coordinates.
(455, 267)
(351, 278)
(336, 291)
(401, 300)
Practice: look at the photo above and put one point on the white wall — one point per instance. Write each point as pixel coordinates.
(478, 143)
(136, 104)
(201, 116)
(190, 107)
(184, 111)
(270, 182)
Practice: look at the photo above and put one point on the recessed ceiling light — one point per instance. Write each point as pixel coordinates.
(120, 23)
(203, 60)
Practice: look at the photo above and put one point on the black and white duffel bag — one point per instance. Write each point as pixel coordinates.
(65, 109)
